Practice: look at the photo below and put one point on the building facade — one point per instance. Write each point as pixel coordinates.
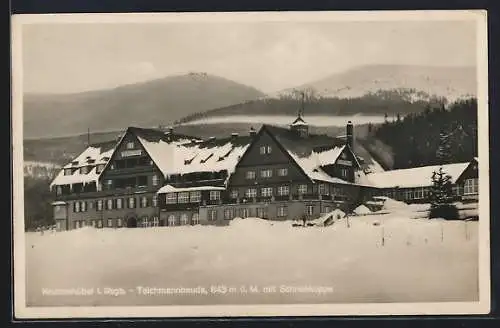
(151, 177)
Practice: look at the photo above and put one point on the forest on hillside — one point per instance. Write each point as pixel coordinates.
(435, 136)
(37, 203)
(382, 102)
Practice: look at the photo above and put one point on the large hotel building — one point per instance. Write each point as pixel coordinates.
(152, 177)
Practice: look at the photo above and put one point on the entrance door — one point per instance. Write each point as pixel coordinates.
(132, 222)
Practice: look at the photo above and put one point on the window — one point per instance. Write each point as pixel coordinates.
(144, 201)
(130, 145)
(99, 205)
(266, 173)
(250, 175)
(76, 224)
(93, 223)
(99, 223)
(234, 194)
(251, 193)
(76, 207)
(131, 202)
(99, 186)
(266, 192)
(68, 172)
(119, 222)
(214, 195)
(283, 190)
(154, 201)
(183, 197)
(84, 170)
(282, 211)
(156, 180)
(195, 219)
(184, 219)
(409, 194)
(309, 209)
(142, 181)
(83, 223)
(283, 172)
(109, 204)
(119, 203)
(108, 184)
(212, 215)
(343, 173)
(110, 223)
(471, 186)
(195, 196)
(265, 150)
(171, 220)
(302, 189)
(327, 209)
(323, 189)
(145, 222)
(83, 206)
(228, 213)
(99, 168)
(419, 193)
(58, 190)
(262, 212)
(156, 221)
(171, 198)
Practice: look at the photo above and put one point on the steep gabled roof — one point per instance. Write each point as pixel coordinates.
(310, 153)
(95, 154)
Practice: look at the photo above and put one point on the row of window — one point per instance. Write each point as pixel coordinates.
(260, 212)
(266, 173)
(189, 197)
(284, 190)
(183, 219)
(98, 223)
(118, 203)
(85, 169)
(471, 187)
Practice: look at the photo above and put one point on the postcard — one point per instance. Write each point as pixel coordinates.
(250, 164)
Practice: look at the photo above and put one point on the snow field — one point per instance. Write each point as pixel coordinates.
(372, 258)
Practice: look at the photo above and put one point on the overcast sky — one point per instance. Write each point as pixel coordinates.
(61, 58)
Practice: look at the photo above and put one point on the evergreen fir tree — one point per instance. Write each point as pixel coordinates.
(443, 153)
(441, 189)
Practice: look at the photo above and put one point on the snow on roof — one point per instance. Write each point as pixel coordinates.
(170, 188)
(185, 156)
(95, 154)
(75, 177)
(59, 202)
(414, 177)
(311, 165)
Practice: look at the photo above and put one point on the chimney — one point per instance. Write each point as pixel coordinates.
(349, 134)
(252, 131)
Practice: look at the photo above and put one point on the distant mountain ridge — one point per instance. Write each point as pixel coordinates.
(449, 82)
(150, 103)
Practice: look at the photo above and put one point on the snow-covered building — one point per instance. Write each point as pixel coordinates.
(150, 177)
(413, 185)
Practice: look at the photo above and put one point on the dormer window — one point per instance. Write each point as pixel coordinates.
(84, 170)
(74, 163)
(130, 145)
(99, 168)
(68, 171)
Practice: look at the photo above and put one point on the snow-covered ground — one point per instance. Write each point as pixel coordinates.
(369, 258)
(315, 120)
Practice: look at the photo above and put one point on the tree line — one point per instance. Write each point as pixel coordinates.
(436, 136)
